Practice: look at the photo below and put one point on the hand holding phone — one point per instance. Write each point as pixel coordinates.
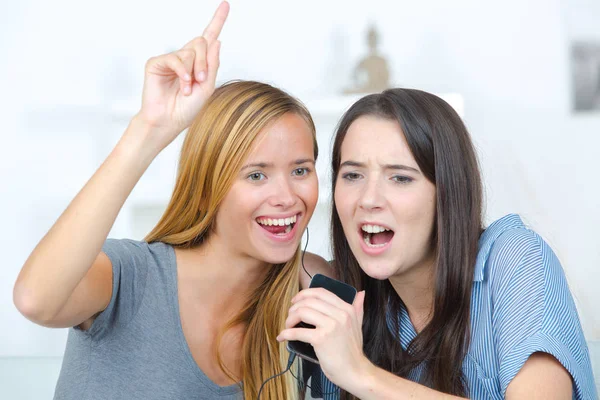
(340, 289)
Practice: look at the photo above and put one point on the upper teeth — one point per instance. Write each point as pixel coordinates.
(374, 228)
(277, 221)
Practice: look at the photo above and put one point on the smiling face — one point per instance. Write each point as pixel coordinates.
(385, 204)
(271, 201)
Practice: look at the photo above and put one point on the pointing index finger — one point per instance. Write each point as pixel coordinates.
(212, 31)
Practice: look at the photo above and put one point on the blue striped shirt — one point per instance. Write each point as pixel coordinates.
(520, 305)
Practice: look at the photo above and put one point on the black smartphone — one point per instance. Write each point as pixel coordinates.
(341, 290)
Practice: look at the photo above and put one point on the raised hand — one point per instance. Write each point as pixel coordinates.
(177, 85)
(65, 281)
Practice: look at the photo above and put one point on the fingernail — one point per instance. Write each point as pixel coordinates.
(201, 76)
(187, 90)
(187, 77)
(278, 338)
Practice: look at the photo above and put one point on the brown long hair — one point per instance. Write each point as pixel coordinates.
(442, 148)
(213, 152)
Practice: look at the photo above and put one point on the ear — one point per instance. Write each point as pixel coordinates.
(358, 304)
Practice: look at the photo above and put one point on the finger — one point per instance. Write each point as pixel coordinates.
(187, 58)
(213, 62)
(359, 306)
(305, 335)
(212, 31)
(322, 294)
(316, 304)
(200, 67)
(308, 316)
(169, 64)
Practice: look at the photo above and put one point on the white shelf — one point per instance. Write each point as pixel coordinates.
(324, 106)
(104, 123)
(335, 106)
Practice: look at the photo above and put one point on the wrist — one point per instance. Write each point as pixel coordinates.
(138, 143)
(362, 384)
(144, 139)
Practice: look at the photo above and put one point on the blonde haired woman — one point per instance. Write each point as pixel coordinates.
(194, 310)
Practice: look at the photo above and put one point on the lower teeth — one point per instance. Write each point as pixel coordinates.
(288, 229)
(367, 238)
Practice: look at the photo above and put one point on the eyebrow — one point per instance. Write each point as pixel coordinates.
(270, 165)
(386, 166)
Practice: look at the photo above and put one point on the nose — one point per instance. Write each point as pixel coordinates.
(371, 198)
(283, 194)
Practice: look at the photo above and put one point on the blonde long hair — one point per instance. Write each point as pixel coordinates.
(213, 152)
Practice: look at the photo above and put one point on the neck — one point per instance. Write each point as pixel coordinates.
(416, 289)
(221, 278)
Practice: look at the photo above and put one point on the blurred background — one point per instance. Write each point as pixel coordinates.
(525, 76)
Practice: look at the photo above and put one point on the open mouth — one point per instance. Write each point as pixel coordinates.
(278, 226)
(376, 236)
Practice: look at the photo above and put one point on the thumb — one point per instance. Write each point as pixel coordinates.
(359, 303)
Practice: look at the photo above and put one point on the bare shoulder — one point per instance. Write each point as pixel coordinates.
(314, 264)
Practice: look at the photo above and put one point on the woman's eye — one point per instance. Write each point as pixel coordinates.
(402, 179)
(301, 171)
(256, 176)
(351, 176)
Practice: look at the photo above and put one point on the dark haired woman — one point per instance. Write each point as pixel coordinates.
(450, 309)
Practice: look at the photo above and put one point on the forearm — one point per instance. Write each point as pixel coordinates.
(376, 383)
(66, 253)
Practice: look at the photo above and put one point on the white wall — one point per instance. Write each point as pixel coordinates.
(64, 62)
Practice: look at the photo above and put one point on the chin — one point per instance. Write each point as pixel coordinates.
(377, 270)
(279, 257)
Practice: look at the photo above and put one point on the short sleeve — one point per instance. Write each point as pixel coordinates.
(533, 311)
(129, 272)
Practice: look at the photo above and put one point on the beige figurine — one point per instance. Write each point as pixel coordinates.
(372, 73)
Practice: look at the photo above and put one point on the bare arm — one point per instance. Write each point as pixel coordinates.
(541, 377)
(67, 280)
(63, 258)
(380, 384)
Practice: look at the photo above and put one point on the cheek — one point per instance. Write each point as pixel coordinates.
(226, 217)
(413, 212)
(234, 211)
(309, 192)
(350, 193)
(429, 208)
(417, 214)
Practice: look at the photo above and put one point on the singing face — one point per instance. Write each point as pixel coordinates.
(269, 205)
(386, 205)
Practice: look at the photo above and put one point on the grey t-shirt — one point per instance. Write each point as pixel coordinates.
(135, 349)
